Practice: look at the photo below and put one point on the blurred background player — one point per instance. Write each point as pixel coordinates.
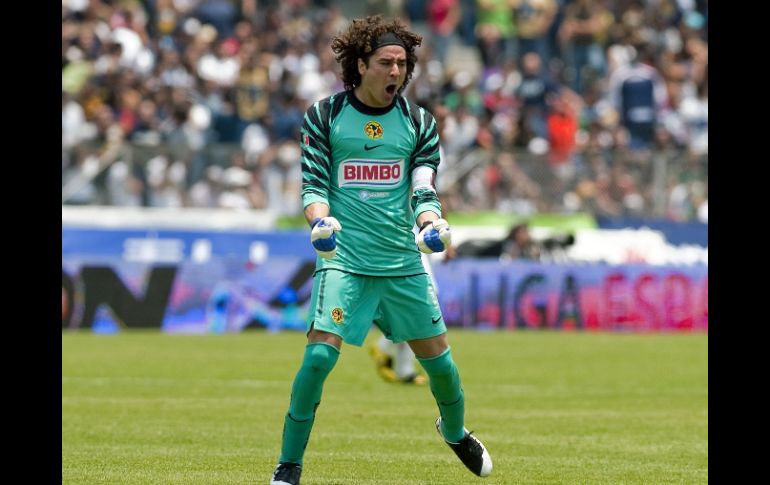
(396, 362)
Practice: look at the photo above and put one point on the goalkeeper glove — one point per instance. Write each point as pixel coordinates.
(434, 236)
(323, 237)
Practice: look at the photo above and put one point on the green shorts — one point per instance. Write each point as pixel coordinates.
(403, 307)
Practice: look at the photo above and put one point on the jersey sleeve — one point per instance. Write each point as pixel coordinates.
(426, 153)
(316, 154)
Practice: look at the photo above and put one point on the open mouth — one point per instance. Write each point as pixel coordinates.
(391, 89)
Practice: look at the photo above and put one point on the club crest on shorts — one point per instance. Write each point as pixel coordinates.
(373, 130)
(338, 315)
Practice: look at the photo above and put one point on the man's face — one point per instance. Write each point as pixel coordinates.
(383, 76)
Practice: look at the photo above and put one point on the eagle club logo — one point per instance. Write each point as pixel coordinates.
(373, 130)
(338, 315)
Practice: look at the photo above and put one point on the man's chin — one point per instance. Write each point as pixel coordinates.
(390, 95)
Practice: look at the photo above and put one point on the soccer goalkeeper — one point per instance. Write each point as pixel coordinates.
(369, 159)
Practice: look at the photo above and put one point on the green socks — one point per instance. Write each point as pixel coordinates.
(446, 388)
(320, 359)
(306, 391)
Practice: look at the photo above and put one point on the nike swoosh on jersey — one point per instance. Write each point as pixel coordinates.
(367, 147)
(435, 321)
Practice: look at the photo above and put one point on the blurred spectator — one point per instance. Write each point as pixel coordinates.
(283, 177)
(220, 64)
(286, 117)
(206, 191)
(416, 10)
(519, 244)
(533, 21)
(514, 191)
(443, 18)
(694, 110)
(387, 8)
(146, 129)
(253, 88)
(496, 31)
(464, 94)
(235, 194)
(638, 94)
(501, 109)
(703, 211)
(535, 87)
(562, 120)
(467, 26)
(167, 182)
(461, 130)
(221, 14)
(583, 31)
(74, 127)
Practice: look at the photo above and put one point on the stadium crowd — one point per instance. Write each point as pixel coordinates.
(543, 105)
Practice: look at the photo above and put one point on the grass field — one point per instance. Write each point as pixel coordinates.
(552, 408)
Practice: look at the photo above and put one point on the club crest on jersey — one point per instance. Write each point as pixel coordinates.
(373, 130)
(338, 315)
(370, 173)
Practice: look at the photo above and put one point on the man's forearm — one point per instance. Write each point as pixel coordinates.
(315, 210)
(425, 217)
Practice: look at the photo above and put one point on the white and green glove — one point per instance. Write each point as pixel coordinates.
(434, 236)
(323, 237)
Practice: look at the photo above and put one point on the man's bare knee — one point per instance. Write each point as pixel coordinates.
(425, 348)
(316, 336)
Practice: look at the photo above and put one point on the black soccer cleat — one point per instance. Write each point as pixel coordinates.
(470, 451)
(286, 474)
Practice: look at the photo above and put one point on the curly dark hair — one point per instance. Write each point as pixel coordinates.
(356, 42)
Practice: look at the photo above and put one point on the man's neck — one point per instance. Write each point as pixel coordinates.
(362, 106)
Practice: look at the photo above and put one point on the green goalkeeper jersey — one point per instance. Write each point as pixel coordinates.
(358, 160)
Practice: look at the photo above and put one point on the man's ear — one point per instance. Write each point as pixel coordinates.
(361, 66)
